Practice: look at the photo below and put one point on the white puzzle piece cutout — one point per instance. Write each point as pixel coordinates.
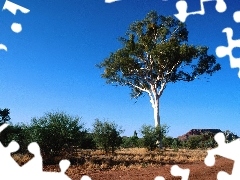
(33, 169)
(12, 7)
(223, 51)
(111, 1)
(177, 171)
(182, 7)
(228, 150)
(15, 27)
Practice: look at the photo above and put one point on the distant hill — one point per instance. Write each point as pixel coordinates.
(228, 134)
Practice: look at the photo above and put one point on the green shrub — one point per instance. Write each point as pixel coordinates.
(56, 133)
(107, 135)
(176, 144)
(16, 133)
(88, 142)
(167, 141)
(202, 141)
(130, 142)
(151, 135)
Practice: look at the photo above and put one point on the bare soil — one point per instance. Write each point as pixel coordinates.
(198, 171)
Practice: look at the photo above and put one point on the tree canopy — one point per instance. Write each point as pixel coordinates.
(4, 115)
(156, 53)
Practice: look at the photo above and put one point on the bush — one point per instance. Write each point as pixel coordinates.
(56, 133)
(4, 115)
(88, 142)
(107, 135)
(130, 142)
(194, 141)
(202, 141)
(176, 144)
(16, 133)
(151, 135)
(167, 141)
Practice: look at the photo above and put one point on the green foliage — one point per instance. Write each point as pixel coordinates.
(18, 133)
(130, 142)
(167, 141)
(56, 133)
(230, 136)
(151, 135)
(175, 144)
(156, 53)
(203, 141)
(194, 141)
(88, 142)
(107, 135)
(4, 115)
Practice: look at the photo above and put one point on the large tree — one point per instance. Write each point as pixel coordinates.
(156, 52)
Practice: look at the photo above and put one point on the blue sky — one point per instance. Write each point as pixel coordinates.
(50, 65)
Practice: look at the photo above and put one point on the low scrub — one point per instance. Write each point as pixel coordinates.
(125, 158)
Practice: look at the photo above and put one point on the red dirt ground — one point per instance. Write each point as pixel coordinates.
(198, 171)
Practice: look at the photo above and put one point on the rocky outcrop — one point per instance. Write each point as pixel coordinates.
(228, 134)
(193, 132)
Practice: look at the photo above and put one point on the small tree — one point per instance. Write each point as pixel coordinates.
(88, 142)
(107, 135)
(56, 133)
(151, 134)
(176, 144)
(130, 142)
(12, 132)
(4, 115)
(167, 141)
(155, 54)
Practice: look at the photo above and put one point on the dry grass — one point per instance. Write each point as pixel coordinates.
(88, 160)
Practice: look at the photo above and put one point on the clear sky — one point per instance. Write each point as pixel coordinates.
(50, 65)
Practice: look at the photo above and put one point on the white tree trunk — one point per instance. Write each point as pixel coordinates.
(156, 111)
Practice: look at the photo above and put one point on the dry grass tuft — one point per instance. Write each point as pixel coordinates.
(133, 158)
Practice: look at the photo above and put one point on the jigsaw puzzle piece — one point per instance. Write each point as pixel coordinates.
(64, 165)
(35, 164)
(8, 164)
(221, 6)
(3, 126)
(177, 171)
(210, 158)
(12, 7)
(223, 176)
(182, 7)
(236, 16)
(222, 51)
(85, 177)
(159, 178)
(228, 150)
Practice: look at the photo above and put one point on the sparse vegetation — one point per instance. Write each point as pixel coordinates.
(129, 158)
(56, 133)
(131, 142)
(151, 135)
(107, 135)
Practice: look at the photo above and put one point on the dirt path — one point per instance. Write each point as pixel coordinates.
(198, 171)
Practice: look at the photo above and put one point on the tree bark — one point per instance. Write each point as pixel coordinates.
(156, 111)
